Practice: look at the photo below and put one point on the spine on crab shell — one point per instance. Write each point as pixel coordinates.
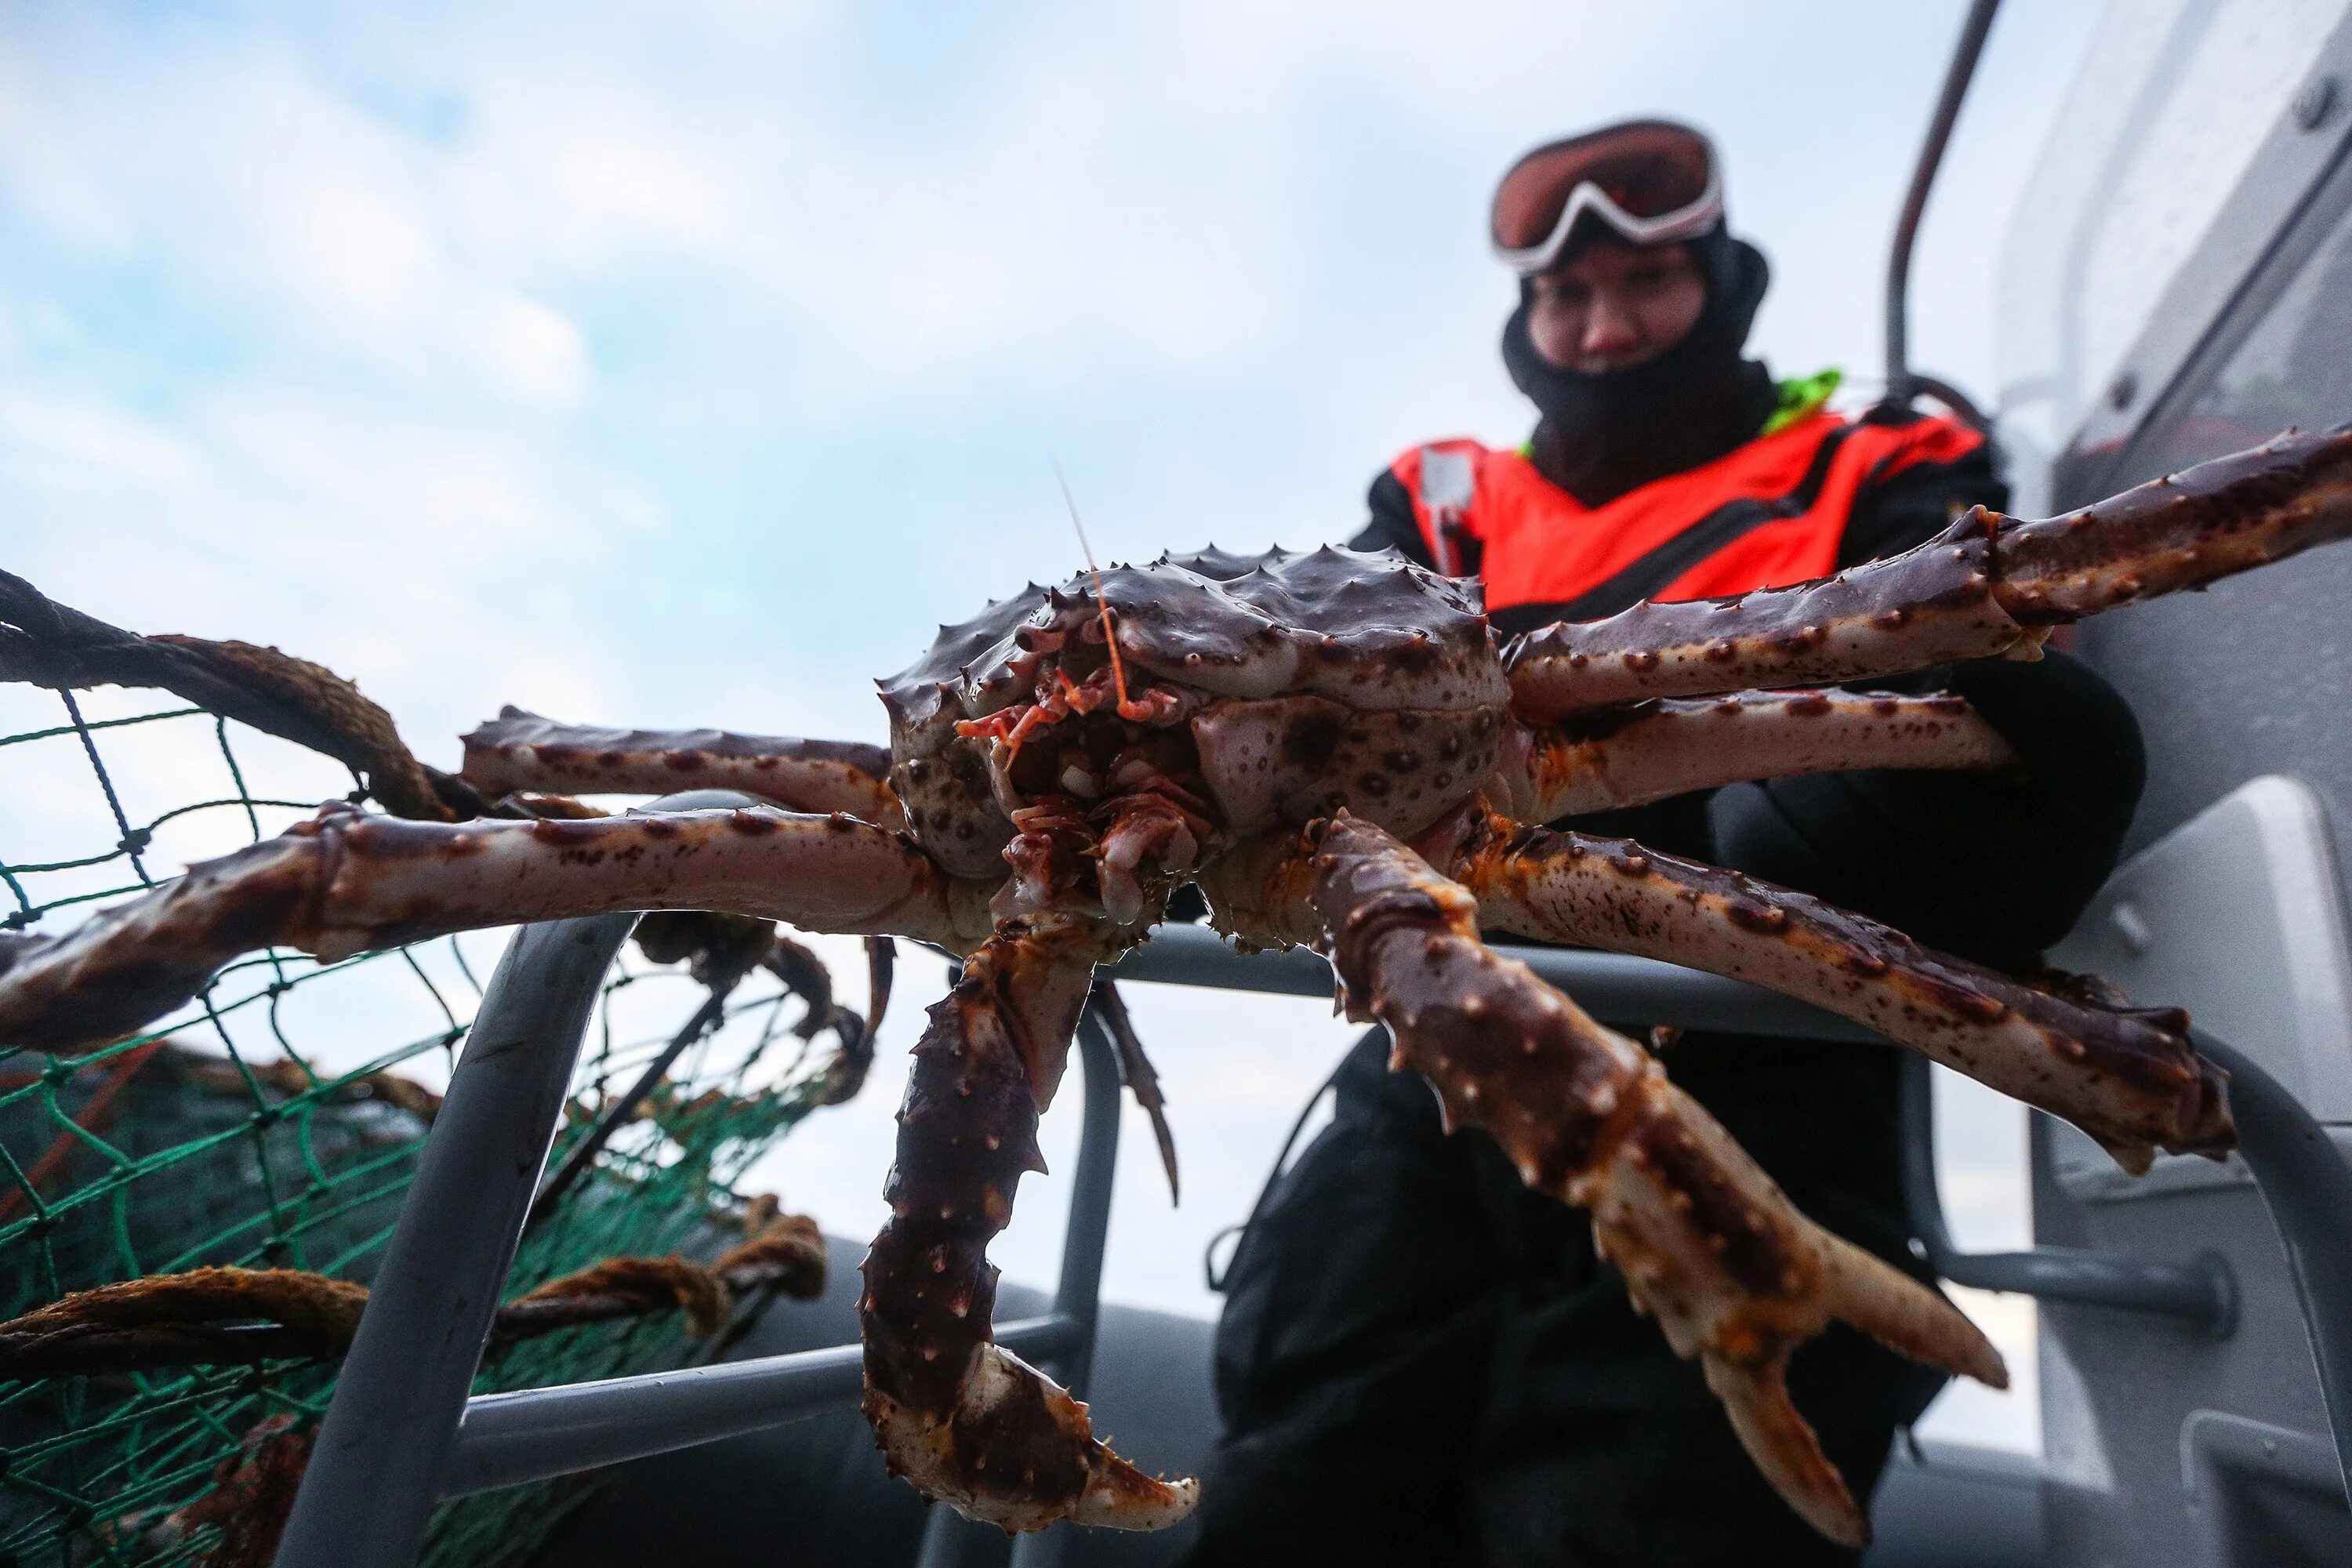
(970, 1423)
(1706, 1242)
(1989, 584)
(347, 881)
(2128, 1078)
(519, 751)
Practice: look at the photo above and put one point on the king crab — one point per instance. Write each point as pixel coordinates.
(1337, 749)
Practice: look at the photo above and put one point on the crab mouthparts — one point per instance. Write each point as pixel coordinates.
(1104, 790)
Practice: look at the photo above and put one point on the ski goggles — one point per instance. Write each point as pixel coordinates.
(1651, 181)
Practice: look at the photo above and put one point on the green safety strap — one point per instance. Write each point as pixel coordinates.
(1802, 399)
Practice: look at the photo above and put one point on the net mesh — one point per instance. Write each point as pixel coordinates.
(276, 1123)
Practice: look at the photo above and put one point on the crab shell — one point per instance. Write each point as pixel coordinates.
(1310, 678)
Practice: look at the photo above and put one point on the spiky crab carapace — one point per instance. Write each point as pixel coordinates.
(1336, 749)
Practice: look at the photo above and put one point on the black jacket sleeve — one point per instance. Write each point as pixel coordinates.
(1917, 504)
(1992, 866)
(1393, 525)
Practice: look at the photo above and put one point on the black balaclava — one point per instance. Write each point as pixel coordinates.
(1602, 436)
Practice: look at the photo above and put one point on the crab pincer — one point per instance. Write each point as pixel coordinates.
(968, 1421)
(1707, 1243)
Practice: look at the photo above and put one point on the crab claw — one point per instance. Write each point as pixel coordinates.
(1016, 1451)
(1706, 1242)
(1890, 1309)
(1736, 1277)
(964, 1419)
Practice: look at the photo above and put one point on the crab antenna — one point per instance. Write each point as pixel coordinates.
(1110, 626)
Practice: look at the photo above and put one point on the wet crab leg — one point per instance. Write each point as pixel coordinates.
(1647, 751)
(1706, 1242)
(519, 751)
(1987, 585)
(2128, 1078)
(1925, 606)
(347, 881)
(968, 1421)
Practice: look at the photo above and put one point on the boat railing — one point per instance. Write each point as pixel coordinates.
(402, 1432)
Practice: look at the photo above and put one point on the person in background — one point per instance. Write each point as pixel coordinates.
(1422, 1361)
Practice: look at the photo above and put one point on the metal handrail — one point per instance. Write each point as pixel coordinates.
(401, 1434)
(1902, 381)
(1614, 987)
(377, 1466)
(2306, 1185)
(538, 1433)
(2304, 1181)
(2203, 1291)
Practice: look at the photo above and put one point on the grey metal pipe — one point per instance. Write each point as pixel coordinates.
(508, 1439)
(1077, 1295)
(2204, 1292)
(2307, 1187)
(536, 1433)
(1614, 987)
(377, 1466)
(1620, 989)
(1078, 1298)
(1900, 383)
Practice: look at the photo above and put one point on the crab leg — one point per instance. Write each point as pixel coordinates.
(1925, 606)
(1985, 586)
(2129, 1079)
(1647, 751)
(1706, 1242)
(519, 751)
(346, 881)
(971, 1423)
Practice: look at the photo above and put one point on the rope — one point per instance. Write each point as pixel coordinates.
(207, 1316)
(45, 643)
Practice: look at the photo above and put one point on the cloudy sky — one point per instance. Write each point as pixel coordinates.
(685, 364)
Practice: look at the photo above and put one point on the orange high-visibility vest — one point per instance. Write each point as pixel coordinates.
(1763, 515)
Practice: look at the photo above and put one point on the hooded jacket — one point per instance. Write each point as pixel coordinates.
(1688, 475)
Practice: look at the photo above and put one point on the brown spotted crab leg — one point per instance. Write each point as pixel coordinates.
(519, 751)
(970, 1423)
(1987, 585)
(1706, 1242)
(1642, 752)
(2129, 1079)
(346, 881)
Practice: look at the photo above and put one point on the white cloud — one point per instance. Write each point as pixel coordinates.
(282, 198)
(92, 447)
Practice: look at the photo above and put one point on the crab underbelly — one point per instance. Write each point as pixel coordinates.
(1292, 759)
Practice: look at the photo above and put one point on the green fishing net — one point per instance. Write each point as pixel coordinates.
(276, 1123)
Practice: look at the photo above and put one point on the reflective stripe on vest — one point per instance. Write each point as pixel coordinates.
(1771, 512)
(1448, 483)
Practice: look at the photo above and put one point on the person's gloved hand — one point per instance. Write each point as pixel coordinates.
(1992, 866)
